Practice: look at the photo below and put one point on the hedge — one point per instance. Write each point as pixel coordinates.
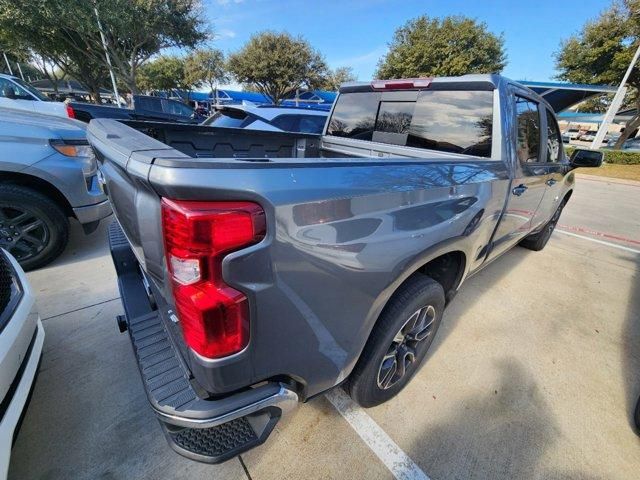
(619, 157)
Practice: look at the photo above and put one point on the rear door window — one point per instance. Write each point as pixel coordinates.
(453, 121)
(448, 121)
(554, 143)
(528, 119)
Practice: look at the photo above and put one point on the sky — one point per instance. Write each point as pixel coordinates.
(355, 33)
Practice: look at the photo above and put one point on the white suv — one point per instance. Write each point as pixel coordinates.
(270, 117)
(21, 339)
(19, 95)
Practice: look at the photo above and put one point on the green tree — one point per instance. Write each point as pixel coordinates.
(206, 67)
(135, 30)
(429, 47)
(28, 29)
(277, 64)
(163, 73)
(602, 51)
(337, 77)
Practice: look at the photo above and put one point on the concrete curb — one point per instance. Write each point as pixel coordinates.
(597, 178)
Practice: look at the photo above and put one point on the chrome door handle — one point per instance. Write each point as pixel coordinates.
(519, 190)
(551, 182)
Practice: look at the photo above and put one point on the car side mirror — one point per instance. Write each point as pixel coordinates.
(586, 158)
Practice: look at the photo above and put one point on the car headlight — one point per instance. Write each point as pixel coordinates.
(80, 150)
(72, 148)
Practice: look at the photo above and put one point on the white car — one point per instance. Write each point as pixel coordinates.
(19, 95)
(588, 136)
(21, 339)
(270, 117)
(572, 133)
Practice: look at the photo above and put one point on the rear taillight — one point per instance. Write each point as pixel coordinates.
(197, 235)
(71, 112)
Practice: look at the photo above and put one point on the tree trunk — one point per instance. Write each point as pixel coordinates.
(131, 77)
(54, 82)
(130, 80)
(93, 88)
(94, 92)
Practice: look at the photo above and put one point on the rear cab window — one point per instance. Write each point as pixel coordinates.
(454, 121)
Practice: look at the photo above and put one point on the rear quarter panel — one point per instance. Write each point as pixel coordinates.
(342, 236)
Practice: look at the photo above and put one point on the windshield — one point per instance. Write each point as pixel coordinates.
(34, 91)
(227, 118)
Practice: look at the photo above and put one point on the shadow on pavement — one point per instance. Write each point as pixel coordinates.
(83, 247)
(501, 434)
(631, 343)
(473, 290)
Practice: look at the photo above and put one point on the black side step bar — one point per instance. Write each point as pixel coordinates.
(204, 429)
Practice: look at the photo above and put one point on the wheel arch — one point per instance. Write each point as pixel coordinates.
(39, 185)
(447, 269)
(446, 263)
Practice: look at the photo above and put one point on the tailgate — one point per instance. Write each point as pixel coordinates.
(125, 157)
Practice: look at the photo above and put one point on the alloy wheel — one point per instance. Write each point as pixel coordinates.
(402, 352)
(22, 232)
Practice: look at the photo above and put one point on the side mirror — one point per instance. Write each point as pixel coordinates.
(586, 158)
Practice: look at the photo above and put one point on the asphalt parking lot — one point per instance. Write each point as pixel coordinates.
(534, 374)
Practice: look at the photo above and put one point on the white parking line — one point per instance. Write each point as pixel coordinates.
(602, 242)
(398, 462)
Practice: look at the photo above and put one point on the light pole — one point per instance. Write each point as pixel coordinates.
(20, 70)
(6, 60)
(106, 54)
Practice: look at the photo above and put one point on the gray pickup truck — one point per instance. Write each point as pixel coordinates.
(259, 269)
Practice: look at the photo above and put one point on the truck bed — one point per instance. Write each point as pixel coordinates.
(202, 141)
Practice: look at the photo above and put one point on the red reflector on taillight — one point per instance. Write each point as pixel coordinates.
(214, 317)
(71, 112)
(214, 320)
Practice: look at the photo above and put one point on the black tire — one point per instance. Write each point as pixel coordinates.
(370, 384)
(538, 241)
(33, 228)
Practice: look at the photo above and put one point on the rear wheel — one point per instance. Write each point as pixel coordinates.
(538, 241)
(33, 228)
(399, 342)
